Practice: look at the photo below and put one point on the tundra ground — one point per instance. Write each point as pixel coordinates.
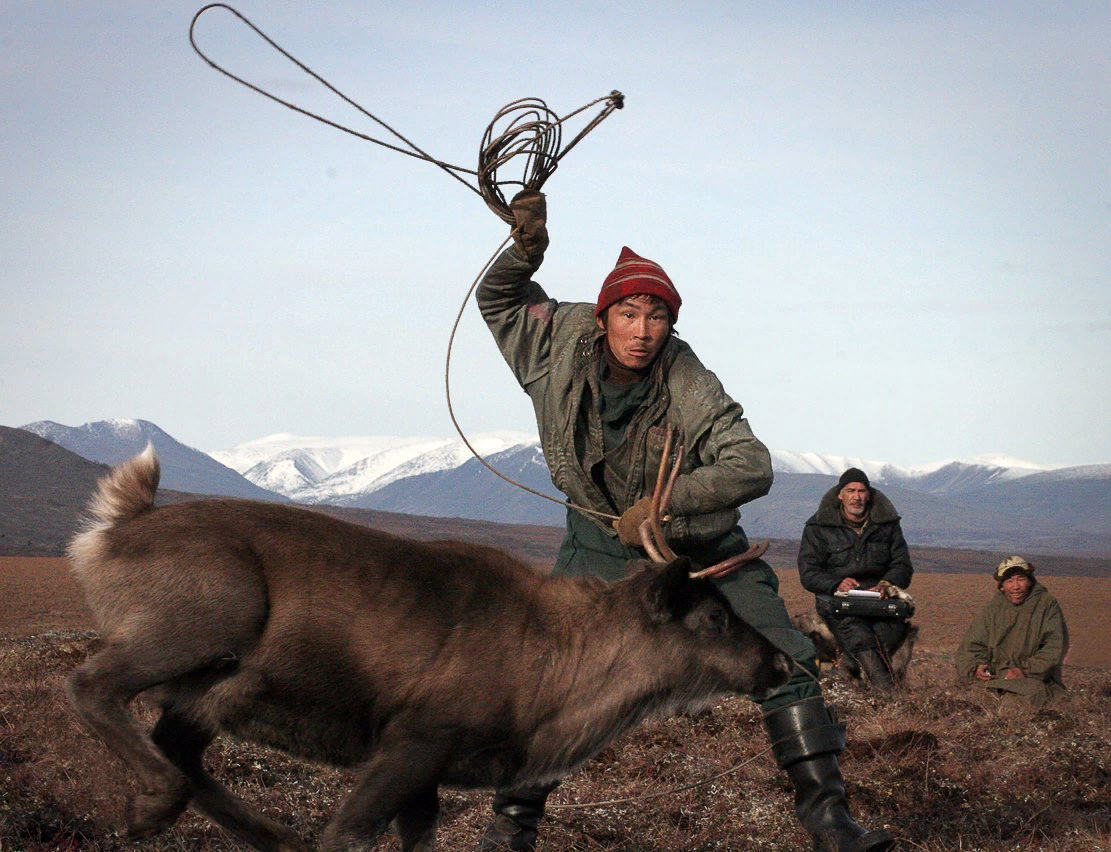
(932, 763)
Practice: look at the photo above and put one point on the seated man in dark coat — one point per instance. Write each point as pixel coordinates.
(854, 541)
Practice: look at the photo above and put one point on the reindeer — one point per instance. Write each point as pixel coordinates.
(421, 664)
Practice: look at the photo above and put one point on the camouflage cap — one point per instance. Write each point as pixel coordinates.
(1013, 565)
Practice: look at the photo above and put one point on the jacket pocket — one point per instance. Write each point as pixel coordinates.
(840, 556)
(878, 557)
(653, 454)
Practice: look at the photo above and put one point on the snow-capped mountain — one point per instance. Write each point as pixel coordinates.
(985, 503)
(340, 471)
(965, 503)
(183, 468)
(345, 471)
(942, 477)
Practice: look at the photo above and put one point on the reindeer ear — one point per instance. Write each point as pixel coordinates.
(668, 594)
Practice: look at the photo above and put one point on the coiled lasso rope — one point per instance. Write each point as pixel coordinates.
(524, 128)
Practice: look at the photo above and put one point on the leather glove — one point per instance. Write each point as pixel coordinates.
(530, 212)
(628, 525)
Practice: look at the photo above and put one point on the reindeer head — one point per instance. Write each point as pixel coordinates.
(689, 615)
(726, 649)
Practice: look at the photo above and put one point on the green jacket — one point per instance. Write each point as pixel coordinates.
(1032, 636)
(554, 350)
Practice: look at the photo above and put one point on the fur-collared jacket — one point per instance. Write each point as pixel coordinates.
(555, 349)
(831, 550)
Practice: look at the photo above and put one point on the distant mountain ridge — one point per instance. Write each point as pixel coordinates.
(346, 470)
(183, 468)
(341, 471)
(977, 504)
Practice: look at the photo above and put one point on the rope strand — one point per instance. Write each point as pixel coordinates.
(533, 131)
(661, 793)
(451, 409)
(413, 151)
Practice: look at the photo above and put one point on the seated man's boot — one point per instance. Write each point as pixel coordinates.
(875, 670)
(806, 742)
(517, 814)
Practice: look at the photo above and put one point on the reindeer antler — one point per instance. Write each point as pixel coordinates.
(728, 566)
(651, 529)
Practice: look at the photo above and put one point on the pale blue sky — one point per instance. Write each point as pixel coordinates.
(890, 222)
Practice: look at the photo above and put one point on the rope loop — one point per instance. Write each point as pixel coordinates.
(524, 128)
(533, 130)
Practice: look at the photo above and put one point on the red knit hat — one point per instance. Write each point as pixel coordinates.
(633, 276)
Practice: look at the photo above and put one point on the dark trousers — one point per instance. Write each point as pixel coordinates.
(858, 635)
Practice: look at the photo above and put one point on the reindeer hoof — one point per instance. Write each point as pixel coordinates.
(150, 813)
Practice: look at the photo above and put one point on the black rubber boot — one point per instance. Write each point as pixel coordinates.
(517, 814)
(806, 741)
(875, 670)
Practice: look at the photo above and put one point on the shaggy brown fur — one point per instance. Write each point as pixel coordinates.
(811, 624)
(421, 663)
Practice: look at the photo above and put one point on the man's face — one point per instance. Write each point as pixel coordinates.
(1016, 588)
(637, 327)
(854, 500)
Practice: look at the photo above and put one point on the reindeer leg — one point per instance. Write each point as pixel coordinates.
(416, 822)
(100, 690)
(397, 783)
(183, 740)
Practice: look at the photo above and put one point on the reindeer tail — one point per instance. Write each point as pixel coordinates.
(126, 492)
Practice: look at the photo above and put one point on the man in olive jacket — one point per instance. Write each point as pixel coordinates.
(854, 541)
(607, 382)
(1015, 647)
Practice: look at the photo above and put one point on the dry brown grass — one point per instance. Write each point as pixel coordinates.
(931, 763)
